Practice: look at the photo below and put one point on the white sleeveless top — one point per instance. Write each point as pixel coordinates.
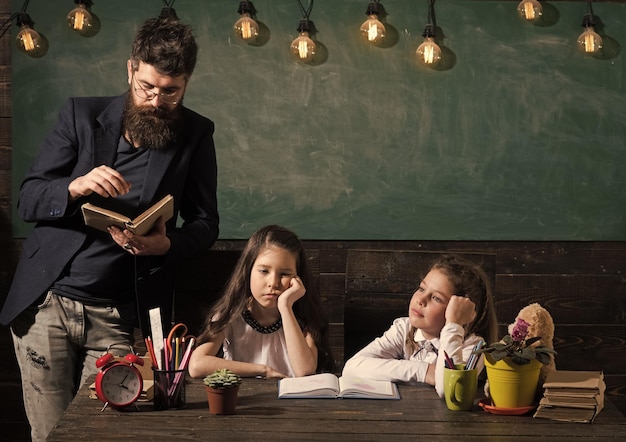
(245, 344)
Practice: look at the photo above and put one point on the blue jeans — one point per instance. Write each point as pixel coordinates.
(57, 344)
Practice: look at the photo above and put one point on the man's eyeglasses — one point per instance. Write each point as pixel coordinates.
(147, 94)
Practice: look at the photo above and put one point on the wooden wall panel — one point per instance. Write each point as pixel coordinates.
(571, 299)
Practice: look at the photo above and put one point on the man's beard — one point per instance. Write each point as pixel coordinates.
(150, 127)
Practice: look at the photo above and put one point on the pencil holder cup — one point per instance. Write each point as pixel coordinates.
(459, 387)
(169, 389)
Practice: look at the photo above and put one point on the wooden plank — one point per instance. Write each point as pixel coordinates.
(331, 260)
(548, 257)
(590, 347)
(207, 271)
(369, 316)
(5, 134)
(398, 271)
(336, 344)
(332, 292)
(516, 257)
(5, 94)
(313, 263)
(570, 299)
(5, 179)
(5, 164)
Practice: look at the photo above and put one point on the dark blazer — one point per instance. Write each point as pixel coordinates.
(86, 135)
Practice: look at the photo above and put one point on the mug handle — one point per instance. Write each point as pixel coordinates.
(452, 393)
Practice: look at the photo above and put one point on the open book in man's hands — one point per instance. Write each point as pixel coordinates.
(327, 385)
(100, 218)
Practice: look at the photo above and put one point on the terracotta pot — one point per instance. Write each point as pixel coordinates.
(222, 400)
(512, 385)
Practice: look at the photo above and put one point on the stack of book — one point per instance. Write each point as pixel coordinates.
(572, 396)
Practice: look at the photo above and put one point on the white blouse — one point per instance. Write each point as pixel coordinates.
(245, 344)
(388, 358)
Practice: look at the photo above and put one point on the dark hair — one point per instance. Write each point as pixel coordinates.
(166, 44)
(236, 295)
(470, 280)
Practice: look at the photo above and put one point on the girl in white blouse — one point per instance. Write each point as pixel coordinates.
(266, 323)
(451, 311)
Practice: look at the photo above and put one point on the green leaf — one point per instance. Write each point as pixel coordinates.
(544, 358)
(498, 355)
(520, 360)
(543, 349)
(527, 353)
(498, 346)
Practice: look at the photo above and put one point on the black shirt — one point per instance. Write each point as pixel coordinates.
(102, 272)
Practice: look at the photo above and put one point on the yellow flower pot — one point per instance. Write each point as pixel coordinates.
(512, 385)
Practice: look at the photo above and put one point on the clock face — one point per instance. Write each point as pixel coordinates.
(120, 385)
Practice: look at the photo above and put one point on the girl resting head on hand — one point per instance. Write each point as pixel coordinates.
(269, 321)
(450, 313)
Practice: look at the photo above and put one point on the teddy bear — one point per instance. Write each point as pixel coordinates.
(541, 324)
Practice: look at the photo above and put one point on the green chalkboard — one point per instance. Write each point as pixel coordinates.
(517, 137)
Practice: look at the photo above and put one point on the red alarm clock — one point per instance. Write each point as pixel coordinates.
(118, 383)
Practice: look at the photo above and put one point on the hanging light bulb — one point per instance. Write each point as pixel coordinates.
(246, 28)
(80, 19)
(29, 41)
(303, 48)
(589, 42)
(372, 29)
(530, 10)
(429, 52)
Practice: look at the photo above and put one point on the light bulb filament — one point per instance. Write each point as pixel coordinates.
(79, 20)
(590, 43)
(529, 11)
(27, 40)
(303, 49)
(429, 54)
(246, 30)
(372, 32)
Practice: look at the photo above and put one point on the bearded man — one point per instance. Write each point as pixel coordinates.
(77, 290)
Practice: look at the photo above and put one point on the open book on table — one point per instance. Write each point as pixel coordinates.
(100, 218)
(327, 385)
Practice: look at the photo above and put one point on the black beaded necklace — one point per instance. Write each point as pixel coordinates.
(247, 316)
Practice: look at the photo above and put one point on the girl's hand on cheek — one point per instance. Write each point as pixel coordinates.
(460, 310)
(295, 291)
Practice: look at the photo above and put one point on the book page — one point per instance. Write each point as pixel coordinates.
(101, 219)
(367, 388)
(574, 379)
(324, 385)
(574, 392)
(144, 222)
(565, 414)
(571, 402)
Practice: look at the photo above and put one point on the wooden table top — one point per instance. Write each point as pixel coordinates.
(262, 416)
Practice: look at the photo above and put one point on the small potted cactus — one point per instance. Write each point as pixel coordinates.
(222, 387)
